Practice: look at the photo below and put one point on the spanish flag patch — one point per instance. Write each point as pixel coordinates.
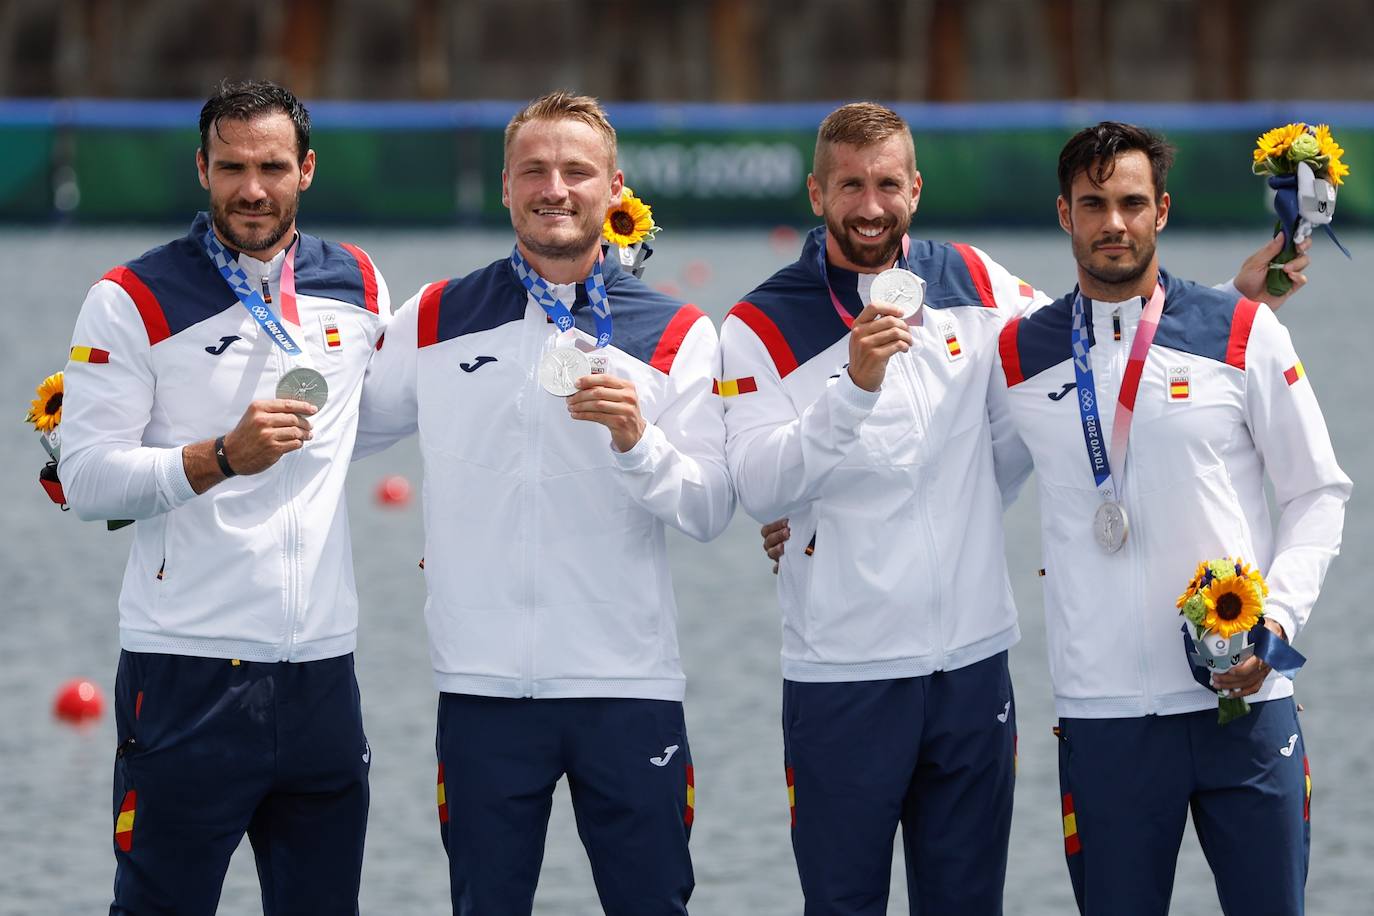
(1179, 387)
(729, 387)
(1072, 845)
(441, 797)
(124, 823)
(90, 355)
(689, 813)
(1295, 372)
(792, 796)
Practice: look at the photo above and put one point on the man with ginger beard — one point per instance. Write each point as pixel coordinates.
(212, 397)
(870, 435)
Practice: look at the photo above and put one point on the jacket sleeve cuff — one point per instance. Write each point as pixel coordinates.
(855, 400)
(1284, 619)
(639, 455)
(172, 480)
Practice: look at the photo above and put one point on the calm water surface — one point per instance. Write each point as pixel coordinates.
(59, 579)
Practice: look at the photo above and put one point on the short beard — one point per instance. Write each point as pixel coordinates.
(562, 251)
(1116, 274)
(264, 240)
(868, 256)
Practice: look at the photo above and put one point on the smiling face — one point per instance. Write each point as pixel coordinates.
(1113, 227)
(558, 183)
(255, 179)
(867, 195)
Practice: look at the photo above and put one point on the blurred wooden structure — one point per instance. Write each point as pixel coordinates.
(695, 50)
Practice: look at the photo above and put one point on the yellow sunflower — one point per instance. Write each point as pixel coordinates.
(630, 222)
(1274, 143)
(1234, 604)
(1193, 585)
(1336, 170)
(46, 410)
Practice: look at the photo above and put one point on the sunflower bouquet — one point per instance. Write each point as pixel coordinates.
(1224, 607)
(45, 413)
(1304, 167)
(628, 226)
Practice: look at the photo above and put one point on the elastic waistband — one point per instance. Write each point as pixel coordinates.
(794, 669)
(630, 688)
(248, 650)
(1130, 707)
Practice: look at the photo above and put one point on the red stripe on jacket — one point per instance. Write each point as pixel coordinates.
(1011, 353)
(1241, 322)
(672, 338)
(767, 331)
(427, 329)
(369, 275)
(979, 271)
(149, 309)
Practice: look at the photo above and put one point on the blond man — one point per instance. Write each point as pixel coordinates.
(566, 418)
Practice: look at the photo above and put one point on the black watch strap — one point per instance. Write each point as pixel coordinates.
(223, 461)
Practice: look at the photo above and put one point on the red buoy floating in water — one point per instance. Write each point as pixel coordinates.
(78, 701)
(393, 492)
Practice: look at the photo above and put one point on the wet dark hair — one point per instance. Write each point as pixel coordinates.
(243, 100)
(1093, 151)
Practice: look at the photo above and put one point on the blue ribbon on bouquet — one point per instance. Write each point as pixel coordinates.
(1286, 206)
(1270, 648)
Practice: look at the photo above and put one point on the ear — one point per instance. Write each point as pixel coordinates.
(1162, 215)
(813, 191)
(201, 169)
(915, 193)
(505, 189)
(617, 185)
(1065, 220)
(308, 169)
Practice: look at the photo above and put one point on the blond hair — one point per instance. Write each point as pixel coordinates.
(858, 124)
(561, 104)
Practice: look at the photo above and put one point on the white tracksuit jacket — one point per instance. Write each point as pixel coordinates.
(259, 567)
(1222, 401)
(545, 558)
(908, 574)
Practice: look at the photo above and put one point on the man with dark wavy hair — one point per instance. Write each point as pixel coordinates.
(212, 396)
(1184, 398)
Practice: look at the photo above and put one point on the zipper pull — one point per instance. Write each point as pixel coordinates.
(267, 297)
(1116, 319)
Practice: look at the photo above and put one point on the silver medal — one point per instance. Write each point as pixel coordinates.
(1110, 526)
(560, 368)
(304, 384)
(899, 287)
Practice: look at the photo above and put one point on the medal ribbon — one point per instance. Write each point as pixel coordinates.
(834, 299)
(251, 299)
(558, 313)
(1101, 460)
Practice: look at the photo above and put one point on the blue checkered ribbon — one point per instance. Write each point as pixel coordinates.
(250, 298)
(597, 297)
(1087, 402)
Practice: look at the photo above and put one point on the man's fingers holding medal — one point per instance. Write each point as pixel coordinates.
(612, 402)
(267, 430)
(878, 334)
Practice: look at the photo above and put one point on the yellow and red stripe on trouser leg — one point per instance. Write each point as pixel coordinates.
(1307, 789)
(689, 813)
(1072, 846)
(792, 796)
(441, 797)
(124, 822)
